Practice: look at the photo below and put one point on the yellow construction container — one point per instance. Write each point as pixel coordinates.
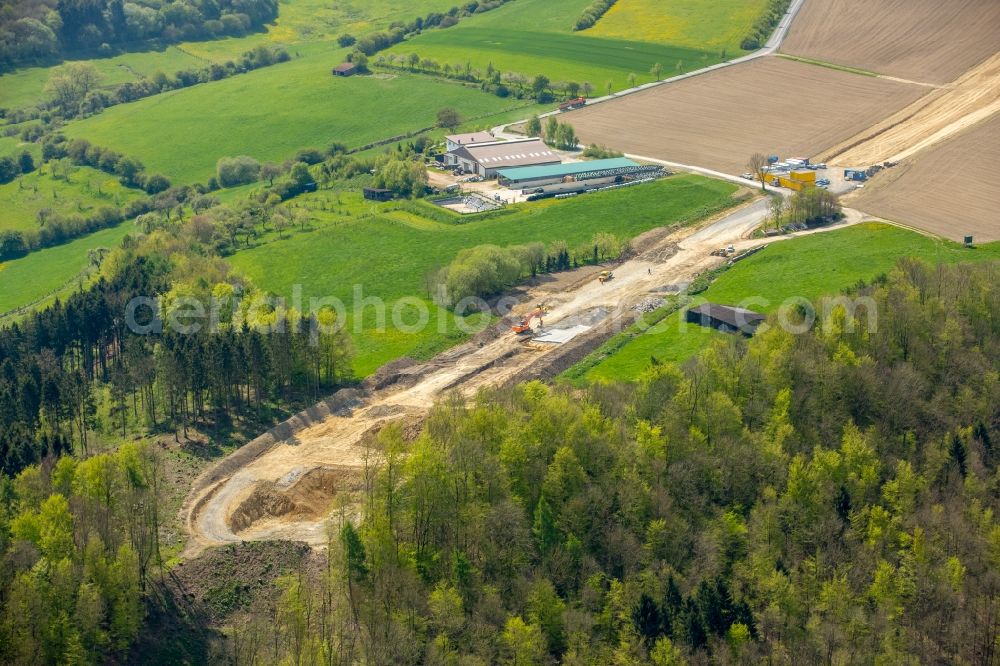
(804, 176)
(796, 185)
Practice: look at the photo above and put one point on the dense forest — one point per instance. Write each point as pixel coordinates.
(33, 31)
(81, 367)
(829, 497)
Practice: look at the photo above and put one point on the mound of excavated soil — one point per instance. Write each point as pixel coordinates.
(308, 498)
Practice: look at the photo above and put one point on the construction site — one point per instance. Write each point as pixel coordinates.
(906, 142)
(282, 485)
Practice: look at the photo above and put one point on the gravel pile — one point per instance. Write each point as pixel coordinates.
(648, 304)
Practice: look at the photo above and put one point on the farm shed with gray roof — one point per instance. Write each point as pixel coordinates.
(484, 159)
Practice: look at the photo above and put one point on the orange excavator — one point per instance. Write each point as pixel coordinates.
(524, 326)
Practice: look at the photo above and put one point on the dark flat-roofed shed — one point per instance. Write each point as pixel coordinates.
(377, 194)
(725, 318)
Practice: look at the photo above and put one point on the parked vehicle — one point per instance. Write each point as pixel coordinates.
(574, 103)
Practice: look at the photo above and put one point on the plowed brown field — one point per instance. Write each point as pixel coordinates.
(950, 189)
(933, 41)
(770, 105)
(941, 113)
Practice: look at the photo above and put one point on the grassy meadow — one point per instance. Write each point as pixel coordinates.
(713, 26)
(44, 274)
(302, 26)
(12, 146)
(25, 87)
(85, 190)
(272, 112)
(528, 37)
(388, 251)
(808, 266)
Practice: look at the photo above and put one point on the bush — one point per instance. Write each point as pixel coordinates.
(240, 170)
(8, 169)
(481, 271)
(309, 156)
(593, 14)
(448, 118)
(12, 245)
(346, 40)
(156, 183)
(600, 152)
(25, 162)
(404, 177)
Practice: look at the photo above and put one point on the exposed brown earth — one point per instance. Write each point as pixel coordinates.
(933, 41)
(770, 105)
(972, 98)
(950, 189)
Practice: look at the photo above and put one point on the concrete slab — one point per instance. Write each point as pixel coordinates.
(559, 336)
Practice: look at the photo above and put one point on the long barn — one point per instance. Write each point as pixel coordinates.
(575, 176)
(485, 159)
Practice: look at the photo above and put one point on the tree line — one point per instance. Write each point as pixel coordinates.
(810, 206)
(765, 24)
(502, 84)
(44, 31)
(818, 498)
(488, 270)
(60, 155)
(372, 43)
(75, 89)
(593, 14)
(80, 367)
(555, 133)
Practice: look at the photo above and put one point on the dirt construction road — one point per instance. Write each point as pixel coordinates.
(971, 99)
(286, 491)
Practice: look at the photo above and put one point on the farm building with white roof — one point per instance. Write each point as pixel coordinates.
(453, 141)
(484, 159)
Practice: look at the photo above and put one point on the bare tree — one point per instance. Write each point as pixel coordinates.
(777, 210)
(758, 167)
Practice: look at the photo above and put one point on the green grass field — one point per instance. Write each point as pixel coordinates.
(300, 24)
(25, 87)
(716, 25)
(12, 146)
(389, 252)
(528, 37)
(273, 112)
(36, 278)
(86, 190)
(807, 267)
